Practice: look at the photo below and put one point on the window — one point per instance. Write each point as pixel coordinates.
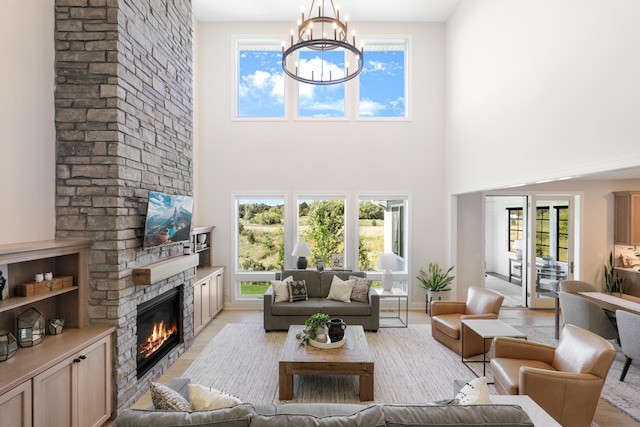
(562, 231)
(516, 227)
(317, 100)
(260, 85)
(543, 247)
(382, 89)
(381, 228)
(260, 242)
(321, 223)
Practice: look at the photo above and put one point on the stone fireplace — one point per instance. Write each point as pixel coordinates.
(124, 127)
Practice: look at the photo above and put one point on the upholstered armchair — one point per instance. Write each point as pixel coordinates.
(565, 381)
(446, 319)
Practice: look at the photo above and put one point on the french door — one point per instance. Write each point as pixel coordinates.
(550, 247)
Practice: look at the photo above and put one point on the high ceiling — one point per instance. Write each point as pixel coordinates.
(356, 10)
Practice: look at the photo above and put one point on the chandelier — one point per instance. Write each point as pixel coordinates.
(322, 34)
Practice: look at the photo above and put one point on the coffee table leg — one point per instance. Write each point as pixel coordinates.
(366, 387)
(285, 384)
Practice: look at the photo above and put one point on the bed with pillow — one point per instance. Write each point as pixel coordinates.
(297, 294)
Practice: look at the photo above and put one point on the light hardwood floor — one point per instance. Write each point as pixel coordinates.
(606, 414)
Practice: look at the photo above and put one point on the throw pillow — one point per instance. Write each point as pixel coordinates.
(204, 398)
(340, 289)
(297, 290)
(361, 286)
(475, 391)
(281, 289)
(165, 398)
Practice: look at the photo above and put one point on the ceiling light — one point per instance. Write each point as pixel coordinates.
(322, 33)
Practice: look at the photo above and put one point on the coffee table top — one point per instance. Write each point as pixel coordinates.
(354, 350)
(491, 328)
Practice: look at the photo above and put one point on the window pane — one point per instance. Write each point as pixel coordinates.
(381, 229)
(260, 235)
(253, 288)
(260, 91)
(318, 100)
(516, 227)
(382, 81)
(562, 215)
(542, 232)
(321, 224)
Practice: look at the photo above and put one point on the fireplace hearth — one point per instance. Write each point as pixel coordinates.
(159, 326)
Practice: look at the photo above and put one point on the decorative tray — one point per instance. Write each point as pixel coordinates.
(327, 344)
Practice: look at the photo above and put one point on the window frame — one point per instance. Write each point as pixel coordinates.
(540, 234)
(519, 231)
(558, 211)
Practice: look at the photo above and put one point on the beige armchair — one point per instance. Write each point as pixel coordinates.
(447, 318)
(565, 381)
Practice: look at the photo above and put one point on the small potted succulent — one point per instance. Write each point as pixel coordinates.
(314, 326)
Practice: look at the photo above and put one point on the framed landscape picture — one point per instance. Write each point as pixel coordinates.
(337, 261)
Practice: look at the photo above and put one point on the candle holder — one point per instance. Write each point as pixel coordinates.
(8, 345)
(55, 326)
(30, 328)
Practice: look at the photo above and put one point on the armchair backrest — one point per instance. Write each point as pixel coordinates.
(483, 301)
(582, 351)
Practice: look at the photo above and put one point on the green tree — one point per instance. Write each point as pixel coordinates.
(326, 227)
(370, 210)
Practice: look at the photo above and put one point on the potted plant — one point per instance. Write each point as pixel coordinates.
(612, 282)
(313, 326)
(436, 281)
(320, 262)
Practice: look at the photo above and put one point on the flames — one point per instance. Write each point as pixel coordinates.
(158, 337)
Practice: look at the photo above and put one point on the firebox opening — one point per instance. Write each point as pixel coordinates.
(159, 324)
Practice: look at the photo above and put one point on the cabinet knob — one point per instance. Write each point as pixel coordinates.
(76, 360)
(82, 357)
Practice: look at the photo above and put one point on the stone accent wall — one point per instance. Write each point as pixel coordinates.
(124, 124)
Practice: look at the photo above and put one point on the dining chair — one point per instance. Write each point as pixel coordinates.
(573, 286)
(579, 311)
(628, 327)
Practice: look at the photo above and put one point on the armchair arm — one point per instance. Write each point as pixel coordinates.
(570, 398)
(374, 301)
(513, 348)
(479, 316)
(447, 307)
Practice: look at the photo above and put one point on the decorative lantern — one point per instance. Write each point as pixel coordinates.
(55, 326)
(30, 328)
(8, 345)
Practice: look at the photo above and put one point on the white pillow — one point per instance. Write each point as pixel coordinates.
(341, 289)
(475, 391)
(205, 398)
(281, 290)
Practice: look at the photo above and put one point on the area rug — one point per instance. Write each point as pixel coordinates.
(410, 367)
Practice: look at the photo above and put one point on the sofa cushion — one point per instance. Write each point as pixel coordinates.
(473, 392)
(319, 409)
(449, 324)
(455, 415)
(281, 289)
(361, 287)
(205, 398)
(297, 291)
(238, 416)
(168, 399)
(339, 308)
(341, 289)
(371, 416)
(300, 308)
(326, 278)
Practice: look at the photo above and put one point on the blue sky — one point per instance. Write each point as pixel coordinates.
(261, 85)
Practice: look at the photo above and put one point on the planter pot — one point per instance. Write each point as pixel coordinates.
(437, 296)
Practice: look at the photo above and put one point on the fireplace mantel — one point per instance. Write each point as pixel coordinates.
(158, 271)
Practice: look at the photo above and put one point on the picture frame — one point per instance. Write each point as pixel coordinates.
(4, 282)
(337, 261)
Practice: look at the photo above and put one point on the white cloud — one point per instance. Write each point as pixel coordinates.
(376, 66)
(262, 83)
(370, 108)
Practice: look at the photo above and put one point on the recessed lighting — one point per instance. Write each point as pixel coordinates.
(517, 185)
(565, 178)
(544, 181)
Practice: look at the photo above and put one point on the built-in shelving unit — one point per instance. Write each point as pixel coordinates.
(78, 356)
(208, 287)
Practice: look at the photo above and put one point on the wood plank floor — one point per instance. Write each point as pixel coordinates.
(606, 414)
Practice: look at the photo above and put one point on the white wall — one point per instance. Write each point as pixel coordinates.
(540, 89)
(322, 156)
(27, 132)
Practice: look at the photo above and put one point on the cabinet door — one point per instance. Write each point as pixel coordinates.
(15, 406)
(197, 308)
(220, 292)
(54, 395)
(94, 383)
(206, 300)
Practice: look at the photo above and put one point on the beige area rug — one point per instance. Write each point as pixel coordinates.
(410, 367)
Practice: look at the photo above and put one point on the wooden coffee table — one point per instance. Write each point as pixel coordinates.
(353, 358)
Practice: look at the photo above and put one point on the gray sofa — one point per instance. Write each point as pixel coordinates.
(327, 415)
(283, 314)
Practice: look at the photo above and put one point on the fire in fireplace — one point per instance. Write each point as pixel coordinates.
(159, 329)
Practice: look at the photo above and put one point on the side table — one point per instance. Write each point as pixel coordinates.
(395, 320)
